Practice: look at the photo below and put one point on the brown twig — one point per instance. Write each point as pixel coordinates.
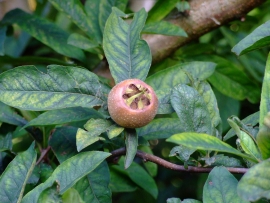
(44, 152)
(169, 165)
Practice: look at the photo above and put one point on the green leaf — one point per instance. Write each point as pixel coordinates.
(164, 102)
(182, 6)
(75, 10)
(247, 142)
(250, 120)
(210, 100)
(230, 79)
(92, 11)
(114, 131)
(173, 200)
(120, 182)
(82, 42)
(3, 31)
(151, 167)
(257, 39)
(255, 184)
(8, 115)
(61, 116)
(160, 128)
(6, 142)
(15, 176)
(128, 56)
(94, 187)
(206, 142)
(161, 9)
(191, 110)
(220, 187)
(105, 9)
(164, 28)
(72, 195)
(191, 201)
(94, 128)
(221, 160)
(28, 88)
(263, 140)
(182, 152)
(131, 146)
(265, 99)
(50, 195)
(68, 173)
(63, 142)
(172, 76)
(139, 176)
(44, 31)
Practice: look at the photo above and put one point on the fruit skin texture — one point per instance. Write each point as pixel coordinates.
(129, 112)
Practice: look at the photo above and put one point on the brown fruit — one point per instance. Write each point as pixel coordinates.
(132, 103)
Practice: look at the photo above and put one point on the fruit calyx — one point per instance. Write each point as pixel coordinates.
(137, 97)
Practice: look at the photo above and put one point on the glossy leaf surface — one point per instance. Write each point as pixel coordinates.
(15, 176)
(44, 31)
(29, 88)
(127, 55)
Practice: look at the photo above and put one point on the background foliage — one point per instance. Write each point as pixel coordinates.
(217, 77)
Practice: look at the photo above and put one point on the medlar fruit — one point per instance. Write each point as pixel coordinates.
(132, 103)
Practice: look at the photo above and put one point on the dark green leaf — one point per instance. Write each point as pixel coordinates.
(68, 173)
(94, 187)
(75, 10)
(92, 12)
(164, 28)
(160, 128)
(151, 167)
(230, 79)
(172, 76)
(127, 54)
(257, 39)
(250, 120)
(120, 182)
(255, 184)
(206, 142)
(164, 101)
(210, 100)
(72, 196)
(182, 152)
(44, 31)
(173, 200)
(139, 176)
(28, 88)
(263, 140)
(105, 9)
(8, 115)
(50, 195)
(247, 142)
(6, 142)
(81, 42)
(161, 9)
(221, 160)
(63, 143)
(265, 99)
(15, 176)
(220, 187)
(191, 110)
(3, 31)
(61, 116)
(131, 146)
(94, 128)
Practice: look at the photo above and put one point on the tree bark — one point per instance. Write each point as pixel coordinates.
(204, 16)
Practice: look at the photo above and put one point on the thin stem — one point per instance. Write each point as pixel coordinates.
(169, 165)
